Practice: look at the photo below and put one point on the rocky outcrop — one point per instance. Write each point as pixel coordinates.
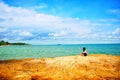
(92, 67)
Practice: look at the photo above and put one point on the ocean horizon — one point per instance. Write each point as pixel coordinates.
(55, 50)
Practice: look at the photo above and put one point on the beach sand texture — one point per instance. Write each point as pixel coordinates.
(92, 67)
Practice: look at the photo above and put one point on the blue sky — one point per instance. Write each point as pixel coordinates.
(60, 21)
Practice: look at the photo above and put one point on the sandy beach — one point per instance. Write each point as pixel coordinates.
(92, 67)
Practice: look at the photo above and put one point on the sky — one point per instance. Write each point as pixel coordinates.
(60, 21)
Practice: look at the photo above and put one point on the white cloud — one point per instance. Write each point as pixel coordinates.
(58, 34)
(25, 33)
(109, 20)
(112, 35)
(5, 39)
(26, 24)
(116, 31)
(38, 7)
(115, 11)
(18, 17)
(2, 29)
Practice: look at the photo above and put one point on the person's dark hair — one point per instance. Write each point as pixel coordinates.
(85, 54)
(84, 48)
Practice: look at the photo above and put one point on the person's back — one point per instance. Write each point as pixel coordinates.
(84, 53)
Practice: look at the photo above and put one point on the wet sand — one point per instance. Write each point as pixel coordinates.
(92, 67)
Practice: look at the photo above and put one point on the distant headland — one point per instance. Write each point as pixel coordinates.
(4, 43)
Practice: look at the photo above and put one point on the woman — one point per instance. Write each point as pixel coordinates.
(84, 53)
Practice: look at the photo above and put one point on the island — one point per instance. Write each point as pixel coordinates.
(91, 67)
(4, 43)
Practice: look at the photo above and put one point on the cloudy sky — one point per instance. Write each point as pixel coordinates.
(60, 21)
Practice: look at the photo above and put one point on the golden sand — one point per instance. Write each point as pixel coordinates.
(92, 67)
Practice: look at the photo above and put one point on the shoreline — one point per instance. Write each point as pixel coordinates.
(94, 66)
(57, 56)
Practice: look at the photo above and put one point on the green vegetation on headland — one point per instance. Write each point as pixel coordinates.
(8, 43)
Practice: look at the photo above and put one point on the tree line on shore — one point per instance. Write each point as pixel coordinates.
(2, 42)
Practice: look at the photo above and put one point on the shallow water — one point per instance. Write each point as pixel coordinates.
(40, 51)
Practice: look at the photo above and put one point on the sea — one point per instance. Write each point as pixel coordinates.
(56, 50)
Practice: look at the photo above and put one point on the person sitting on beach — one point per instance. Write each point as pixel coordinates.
(84, 53)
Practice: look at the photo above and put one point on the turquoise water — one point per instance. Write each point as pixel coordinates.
(41, 51)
